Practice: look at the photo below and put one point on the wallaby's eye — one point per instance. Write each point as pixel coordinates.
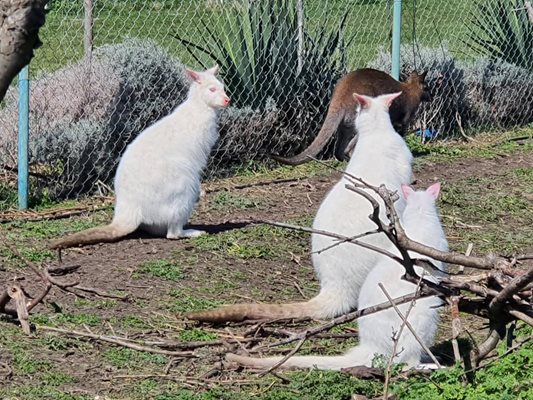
(213, 89)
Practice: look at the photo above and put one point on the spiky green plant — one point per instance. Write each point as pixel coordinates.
(502, 31)
(256, 46)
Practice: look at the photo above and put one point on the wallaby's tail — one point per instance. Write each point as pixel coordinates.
(333, 119)
(359, 355)
(108, 233)
(241, 312)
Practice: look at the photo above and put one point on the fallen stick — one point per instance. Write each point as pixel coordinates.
(124, 342)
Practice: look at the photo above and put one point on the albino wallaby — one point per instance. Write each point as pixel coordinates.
(421, 223)
(342, 109)
(158, 178)
(381, 157)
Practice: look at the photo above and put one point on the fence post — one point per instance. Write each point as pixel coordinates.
(300, 16)
(88, 21)
(396, 30)
(24, 125)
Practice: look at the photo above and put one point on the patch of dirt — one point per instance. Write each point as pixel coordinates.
(213, 275)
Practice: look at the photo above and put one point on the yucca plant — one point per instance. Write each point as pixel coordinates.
(503, 31)
(256, 45)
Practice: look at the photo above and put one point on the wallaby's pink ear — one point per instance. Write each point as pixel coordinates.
(363, 101)
(389, 98)
(213, 70)
(407, 191)
(434, 190)
(195, 76)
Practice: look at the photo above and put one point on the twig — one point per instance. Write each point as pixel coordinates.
(50, 214)
(120, 342)
(396, 338)
(284, 359)
(511, 289)
(507, 352)
(409, 326)
(456, 327)
(17, 294)
(325, 233)
(193, 345)
(343, 319)
(101, 293)
(237, 341)
(496, 333)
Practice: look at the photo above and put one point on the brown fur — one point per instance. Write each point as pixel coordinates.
(343, 108)
(108, 233)
(241, 312)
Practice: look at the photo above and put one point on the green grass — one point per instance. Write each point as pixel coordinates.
(493, 214)
(369, 21)
(183, 301)
(126, 358)
(229, 201)
(166, 269)
(201, 274)
(261, 241)
(453, 150)
(194, 335)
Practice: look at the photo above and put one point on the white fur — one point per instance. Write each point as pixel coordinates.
(421, 223)
(380, 157)
(158, 178)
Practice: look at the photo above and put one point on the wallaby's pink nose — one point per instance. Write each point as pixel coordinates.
(227, 101)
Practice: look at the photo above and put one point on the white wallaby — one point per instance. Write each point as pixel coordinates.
(157, 181)
(421, 223)
(380, 157)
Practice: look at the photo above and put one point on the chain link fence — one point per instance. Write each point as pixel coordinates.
(110, 68)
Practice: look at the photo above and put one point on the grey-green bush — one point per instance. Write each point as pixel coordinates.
(499, 94)
(480, 94)
(83, 115)
(445, 78)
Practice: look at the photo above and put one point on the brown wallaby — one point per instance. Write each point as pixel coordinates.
(343, 109)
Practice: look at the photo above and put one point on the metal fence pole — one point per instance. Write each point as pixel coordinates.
(300, 16)
(88, 28)
(23, 134)
(396, 30)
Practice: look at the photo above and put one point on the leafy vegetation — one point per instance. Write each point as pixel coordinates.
(503, 31)
(160, 268)
(262, 57)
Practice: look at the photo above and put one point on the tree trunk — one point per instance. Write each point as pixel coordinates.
(20, 21)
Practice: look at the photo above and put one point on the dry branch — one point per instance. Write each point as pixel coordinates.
(124, 342)
(23, 307)
(500, 303)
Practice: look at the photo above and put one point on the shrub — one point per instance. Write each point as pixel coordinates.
(70, 94)
(256, 47)
(499, 94)
(83, 115)
(244, 134)
(482, 94)
(445, 78)
(501, 30)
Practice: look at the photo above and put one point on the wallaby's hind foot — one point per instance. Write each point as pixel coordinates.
(186, 233)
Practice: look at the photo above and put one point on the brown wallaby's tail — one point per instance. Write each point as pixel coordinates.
(241, 312)
(106, 233)
(333, 119)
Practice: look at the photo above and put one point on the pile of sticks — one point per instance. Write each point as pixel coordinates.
(501, 293)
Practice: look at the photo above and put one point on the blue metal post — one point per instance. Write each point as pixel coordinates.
(24, 122)
(396, 30)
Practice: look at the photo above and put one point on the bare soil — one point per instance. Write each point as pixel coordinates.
(233, 269)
